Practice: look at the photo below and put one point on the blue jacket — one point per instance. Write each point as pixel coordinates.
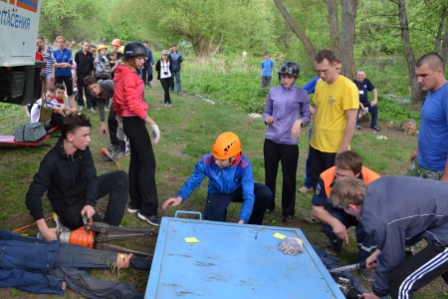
(400, 211)
(224, 181)
(24, 262)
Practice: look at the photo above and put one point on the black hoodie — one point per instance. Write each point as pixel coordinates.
(68, 179)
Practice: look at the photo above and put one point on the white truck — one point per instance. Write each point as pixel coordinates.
(19, 25)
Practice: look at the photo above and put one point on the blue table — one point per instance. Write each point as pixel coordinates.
(233, 261)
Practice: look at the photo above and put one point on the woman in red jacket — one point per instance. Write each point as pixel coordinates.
(132, 111)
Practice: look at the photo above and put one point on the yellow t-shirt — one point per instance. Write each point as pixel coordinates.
(329, 123)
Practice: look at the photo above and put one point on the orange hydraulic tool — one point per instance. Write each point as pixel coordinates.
(96, 234)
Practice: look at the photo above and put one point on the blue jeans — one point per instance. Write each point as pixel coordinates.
(308, 182)
(216, 205)
(178, 87)
(373, 110)
(366, 244)
(72, 261)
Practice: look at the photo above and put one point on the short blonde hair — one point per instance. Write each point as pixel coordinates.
(60, 37)
(347, 190)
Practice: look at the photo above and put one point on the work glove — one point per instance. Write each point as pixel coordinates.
(291, 246)
(155, 133)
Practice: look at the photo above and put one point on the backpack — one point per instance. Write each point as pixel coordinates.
(31, 132)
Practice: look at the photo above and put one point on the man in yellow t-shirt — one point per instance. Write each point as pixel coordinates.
(337, 101)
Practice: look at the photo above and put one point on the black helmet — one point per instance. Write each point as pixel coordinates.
(289, 68)
(135, 49)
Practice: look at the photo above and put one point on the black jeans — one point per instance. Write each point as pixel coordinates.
(419, 270)
(112, 123)
(216, 205)
(166, 88)
(113, 183)
(83, 89)
(288, 155)
(142, 167)
(319, 162)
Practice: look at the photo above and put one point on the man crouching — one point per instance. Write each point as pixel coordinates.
(68, 174)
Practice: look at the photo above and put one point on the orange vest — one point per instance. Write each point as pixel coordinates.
(328, 177)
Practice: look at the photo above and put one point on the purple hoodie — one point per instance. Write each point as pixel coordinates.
(286, 105)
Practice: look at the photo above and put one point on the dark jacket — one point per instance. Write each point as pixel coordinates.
(107, 92)
(158, 67)
(400, 211)
(84, 64)
(68, 179)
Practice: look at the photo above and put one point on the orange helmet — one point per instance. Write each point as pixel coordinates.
(116, 42)
(226, 146)
(101, 47)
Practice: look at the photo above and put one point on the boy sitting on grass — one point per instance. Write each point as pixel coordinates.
(230, 180)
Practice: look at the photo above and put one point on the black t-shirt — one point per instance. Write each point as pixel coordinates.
(84, 63)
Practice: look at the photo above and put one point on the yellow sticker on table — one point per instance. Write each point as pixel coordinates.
(192, 240)
(279, 236)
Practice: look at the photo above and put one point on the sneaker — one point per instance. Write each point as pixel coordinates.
(132, 209)
(153, 220)
(165, 104)
(92, 110)
(180, 93)
(169, 105)
(120, 154)
(81, 108)
(305, 189)
(376, 129)
(287, 218)
(358, 127)
(367, 274)
(331, 251)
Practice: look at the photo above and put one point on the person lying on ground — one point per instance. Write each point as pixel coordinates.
(68, 174)
(53, 266)
(230, 180)
(397, 212)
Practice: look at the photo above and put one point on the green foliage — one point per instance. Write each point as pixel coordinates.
(390, 110)
(76, 20)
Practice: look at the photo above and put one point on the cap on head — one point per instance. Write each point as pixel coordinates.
(116, 42)
(289, 68)
(133, 49)
(226, 146)
(101, 47)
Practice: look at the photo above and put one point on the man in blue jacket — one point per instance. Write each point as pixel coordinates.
(147, 66)
(176, 60)
(230, 180)
(398, 212)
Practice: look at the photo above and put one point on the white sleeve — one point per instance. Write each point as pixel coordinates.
(35, 112)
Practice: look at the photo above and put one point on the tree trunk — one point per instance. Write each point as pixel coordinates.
(439, 31)
(333, 21)
(218, 46)
(347, 38)
(444, 51)
(416, 92)
(310, 49)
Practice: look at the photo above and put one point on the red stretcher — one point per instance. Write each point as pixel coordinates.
(9, 139)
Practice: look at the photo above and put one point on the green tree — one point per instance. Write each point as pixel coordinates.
(74, 19)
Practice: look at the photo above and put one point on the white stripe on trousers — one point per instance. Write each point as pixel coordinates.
(407, 284)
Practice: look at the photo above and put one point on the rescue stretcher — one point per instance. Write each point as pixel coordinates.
(9, 139)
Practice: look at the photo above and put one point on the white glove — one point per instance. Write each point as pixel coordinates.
(291, 246)
(120, 132)
(155, 132)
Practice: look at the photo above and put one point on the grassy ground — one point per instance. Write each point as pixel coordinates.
(188, 131)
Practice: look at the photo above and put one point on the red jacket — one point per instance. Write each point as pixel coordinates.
(128, 93)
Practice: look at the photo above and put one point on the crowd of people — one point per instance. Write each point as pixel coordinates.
(388, 213)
